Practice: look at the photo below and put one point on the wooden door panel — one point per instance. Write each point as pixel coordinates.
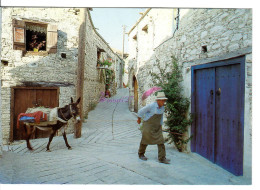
(229, 138)
(221, 119)
(25, 98)
(204, 86)
(45, 98)
(22, 100)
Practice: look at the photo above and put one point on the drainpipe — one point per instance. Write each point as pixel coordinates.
(177, 18)
(80, 69)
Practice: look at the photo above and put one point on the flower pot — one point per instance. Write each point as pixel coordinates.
(35, 50)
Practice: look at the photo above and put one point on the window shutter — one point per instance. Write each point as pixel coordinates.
(19, 35)
(52, 38)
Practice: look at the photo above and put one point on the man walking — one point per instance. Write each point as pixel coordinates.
(152, 115)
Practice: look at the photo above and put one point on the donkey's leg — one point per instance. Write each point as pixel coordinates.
(29, 132)
(50, 139)
(66, 141)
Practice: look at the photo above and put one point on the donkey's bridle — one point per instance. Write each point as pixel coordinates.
(71, 113)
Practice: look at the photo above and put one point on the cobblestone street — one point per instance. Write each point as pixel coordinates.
(107, 154)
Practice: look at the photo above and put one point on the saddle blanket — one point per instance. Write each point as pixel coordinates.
(27, 119)
(48, 117)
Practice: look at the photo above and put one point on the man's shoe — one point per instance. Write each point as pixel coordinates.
(165, 161)
(142, 157)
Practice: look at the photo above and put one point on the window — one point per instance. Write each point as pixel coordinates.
(99, 56)
(135, 37)
(34, 36)
(145, 28)
(204, 49)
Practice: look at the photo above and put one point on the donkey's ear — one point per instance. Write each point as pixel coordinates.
(78, 100)
(71, 99)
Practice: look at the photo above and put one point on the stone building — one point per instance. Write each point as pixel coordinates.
(0, 87)
(45, 74)
(211, 43)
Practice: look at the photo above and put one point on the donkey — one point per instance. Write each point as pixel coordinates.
(64, 115)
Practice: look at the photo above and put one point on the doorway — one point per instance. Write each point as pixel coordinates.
(218, 106)
(28, 97)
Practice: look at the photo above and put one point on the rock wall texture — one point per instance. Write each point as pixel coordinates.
(226, 33)
(52, 69)
(94, 76)
(1, 143)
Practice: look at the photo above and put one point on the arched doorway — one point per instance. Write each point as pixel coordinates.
(135, 85)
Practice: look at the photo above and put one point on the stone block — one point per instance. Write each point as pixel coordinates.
(247, 43)
(217, 30)
(249, 58)
(203, 34)
(233, 47)
(236, 37)
(225, 43)
(215, 46)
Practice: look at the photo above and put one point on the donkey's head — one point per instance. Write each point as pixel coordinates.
(74, 109)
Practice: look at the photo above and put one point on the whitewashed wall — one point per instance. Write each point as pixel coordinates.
(52, 69)
(1, 143)
(227, 33)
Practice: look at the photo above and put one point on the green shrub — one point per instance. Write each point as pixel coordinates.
(106, 62)
(177, 105)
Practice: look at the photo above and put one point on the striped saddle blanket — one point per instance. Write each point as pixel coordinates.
(52, 114)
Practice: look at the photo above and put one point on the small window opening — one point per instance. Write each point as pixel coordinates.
(204, 49)
(145, 28)
(135, 37)
(63, 55)
(99, 51)
(36, 37)
(4, 62)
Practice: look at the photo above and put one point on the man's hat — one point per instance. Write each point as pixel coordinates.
(161, 96)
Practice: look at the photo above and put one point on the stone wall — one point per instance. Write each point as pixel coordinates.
(226, 33)
(142, 37)
(1, 143)
(160, 24)
(51, 69)
(94, 79)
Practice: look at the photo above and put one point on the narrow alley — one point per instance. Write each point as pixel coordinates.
(107, 154)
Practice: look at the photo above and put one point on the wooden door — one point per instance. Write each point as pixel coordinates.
(218, 105)
(229, 130)
(24, 98)
(205, 82)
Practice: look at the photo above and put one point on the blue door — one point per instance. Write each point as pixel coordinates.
(205, 82)
(229, 130)
(218, 106)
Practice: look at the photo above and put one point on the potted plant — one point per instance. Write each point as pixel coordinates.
(36, 45)
(98, 63)
(106, 63)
